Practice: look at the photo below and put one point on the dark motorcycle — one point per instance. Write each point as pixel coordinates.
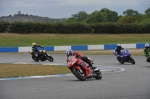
(148, 58)
(125, 56)
(82, 72)
(41, 55)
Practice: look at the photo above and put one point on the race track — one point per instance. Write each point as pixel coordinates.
(132, 83)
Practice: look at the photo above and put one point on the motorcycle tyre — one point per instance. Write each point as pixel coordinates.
(35, 59)
(132, 60)
(76, 73)
(98, 76)
(50, 58)
(120, 60)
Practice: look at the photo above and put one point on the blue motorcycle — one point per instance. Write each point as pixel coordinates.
(124, 56)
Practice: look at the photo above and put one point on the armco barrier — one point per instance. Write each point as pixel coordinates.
(78, 47)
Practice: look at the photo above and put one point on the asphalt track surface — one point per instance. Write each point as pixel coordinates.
(132, 83)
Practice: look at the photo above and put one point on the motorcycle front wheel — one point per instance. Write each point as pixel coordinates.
(50, 58)
(132, 60)
(120, 60)
(79, 74)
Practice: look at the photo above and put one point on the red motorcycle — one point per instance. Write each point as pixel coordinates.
(82, 72)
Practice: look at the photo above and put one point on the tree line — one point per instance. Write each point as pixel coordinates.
(106, 15)
(103, 21)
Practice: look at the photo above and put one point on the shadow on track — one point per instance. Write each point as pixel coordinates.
(76, 80)
(124, 64)
(146, 66)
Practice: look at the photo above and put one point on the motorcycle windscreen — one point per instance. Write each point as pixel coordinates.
(125, 52)
(71, 60)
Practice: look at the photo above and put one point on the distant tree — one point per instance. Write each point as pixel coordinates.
(126, 19)
(138, 18)
(147, 11)
(79, 16)
(119, 16)
(112, 16)
(96, 17)
(69, 20)
(130, 12)
(10, 15)
(145, 21)
(104, 15)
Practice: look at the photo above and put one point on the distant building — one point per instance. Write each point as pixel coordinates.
(27, 18)
(19, 14)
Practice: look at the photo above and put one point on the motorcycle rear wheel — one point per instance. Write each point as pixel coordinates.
(80, 75)
(36, 59)
(98, 76)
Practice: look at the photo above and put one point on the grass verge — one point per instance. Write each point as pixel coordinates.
(136, 52)
(16, 70)
(8, 39)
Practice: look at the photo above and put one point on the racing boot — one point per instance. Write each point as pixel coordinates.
(147, 59)
(91, 66)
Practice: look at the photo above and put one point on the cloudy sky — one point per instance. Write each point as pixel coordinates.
(65, 8)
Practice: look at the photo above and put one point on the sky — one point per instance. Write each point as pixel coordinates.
(66, 8)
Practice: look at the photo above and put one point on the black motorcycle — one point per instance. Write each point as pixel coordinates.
(41, 55)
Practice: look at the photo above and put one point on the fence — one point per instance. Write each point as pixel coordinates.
(73, 47)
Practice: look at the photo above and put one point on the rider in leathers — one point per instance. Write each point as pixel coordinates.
(81, 56)
(118, 49)
(34, 48)
(146, 52)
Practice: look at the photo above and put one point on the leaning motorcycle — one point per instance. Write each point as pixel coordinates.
(41, 55)
(82, 72)
(125, 56)
(148, 58)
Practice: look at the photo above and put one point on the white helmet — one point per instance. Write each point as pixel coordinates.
(33, 44)
(146, 45)
(118, 45)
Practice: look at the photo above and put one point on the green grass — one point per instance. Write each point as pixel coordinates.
(16, 70)
(135, 52)
(70, 39)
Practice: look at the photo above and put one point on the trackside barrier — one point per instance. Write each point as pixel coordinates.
(73, 47)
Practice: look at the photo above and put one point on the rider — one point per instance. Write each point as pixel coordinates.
(81, 56)
(34, 48)
(118, 49)
(146, 51)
